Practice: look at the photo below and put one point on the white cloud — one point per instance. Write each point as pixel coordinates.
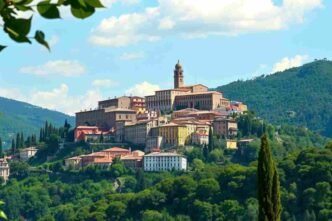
(56, 99)
(287, 63)
(143, 89)
(132, 55)
(200, 18)
(103, 83)
(53, 40)
(65, 68)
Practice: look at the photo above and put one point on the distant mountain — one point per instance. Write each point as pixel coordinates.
(17, 116)
(298, 96)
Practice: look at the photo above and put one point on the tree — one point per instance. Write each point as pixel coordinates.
(1, 150)
(116, 210)
(2, 214)
(211, 141)
(18, 28)
(268, 192)
(13, 148)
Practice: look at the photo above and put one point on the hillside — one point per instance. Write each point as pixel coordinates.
(16, 116)
(298, 96)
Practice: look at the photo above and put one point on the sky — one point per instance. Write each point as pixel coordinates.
(131, 47)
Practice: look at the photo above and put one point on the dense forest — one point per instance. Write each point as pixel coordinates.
(220, 183)
(18, 116)
(298, 96)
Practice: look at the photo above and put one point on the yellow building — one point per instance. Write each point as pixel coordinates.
(231, 144)
(174, 134)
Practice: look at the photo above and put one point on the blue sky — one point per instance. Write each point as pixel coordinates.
(132, 46)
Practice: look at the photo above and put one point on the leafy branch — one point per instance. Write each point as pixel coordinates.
(18, 28)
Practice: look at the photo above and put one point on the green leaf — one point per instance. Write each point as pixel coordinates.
(48, 10)
(2, 4)
(81, 11)
(40, 38)
(23, 8)
(18, 29)
(23, 2)
(2, 47)
(95, 3)
(3, 215)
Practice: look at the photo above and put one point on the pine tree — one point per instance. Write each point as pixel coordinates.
(211, 141)
(268, 192)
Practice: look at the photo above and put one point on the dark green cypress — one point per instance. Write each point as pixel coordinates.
(18, 140)
(211, 140)
(21, 140)
(13, 147)
(1, 150)
(268, 192)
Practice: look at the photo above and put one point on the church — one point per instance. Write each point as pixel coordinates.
(180, 97)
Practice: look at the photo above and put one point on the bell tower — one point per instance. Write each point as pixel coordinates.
(178, 76)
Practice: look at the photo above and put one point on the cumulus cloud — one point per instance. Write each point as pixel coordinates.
(132, 55)
(56, 99)
(287, 63)
(103, 83)
(200, 18)
(66, 68)
(143, 89)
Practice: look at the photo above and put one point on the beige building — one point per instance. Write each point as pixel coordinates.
(138, 132)
(4, 169)
(27, 153)
(126, 102)
(105, 118)
(208, 100)
(73, 162)
(225, 127)
(194, 96)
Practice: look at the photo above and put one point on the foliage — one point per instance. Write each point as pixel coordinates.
(18, 27)
(267, 185)
(297, 96)
(18, 116)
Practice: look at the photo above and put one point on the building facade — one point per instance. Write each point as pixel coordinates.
(27, 153)
(105, 118)
(137, 133)
(164, 161)
(181, 96)
(4, 169)
(225, 127)
(174, 134)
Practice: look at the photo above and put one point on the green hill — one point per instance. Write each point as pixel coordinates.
(16, 116)
(298, 96)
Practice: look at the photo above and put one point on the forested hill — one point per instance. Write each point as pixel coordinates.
(16, 116)
(300, 96)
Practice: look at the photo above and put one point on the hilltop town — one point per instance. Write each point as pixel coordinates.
(160, 124)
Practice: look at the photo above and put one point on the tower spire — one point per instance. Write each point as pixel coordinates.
(178, 75)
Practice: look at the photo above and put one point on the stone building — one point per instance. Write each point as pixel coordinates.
(225, 127)
(193, 96)
(126, 102)
(105, 118)
(138, 132)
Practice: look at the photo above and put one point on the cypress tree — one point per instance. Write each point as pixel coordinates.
(211, 141)
(21, 140)
(18, 139)
(268, 192)
(1, 151)
(13, 147)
